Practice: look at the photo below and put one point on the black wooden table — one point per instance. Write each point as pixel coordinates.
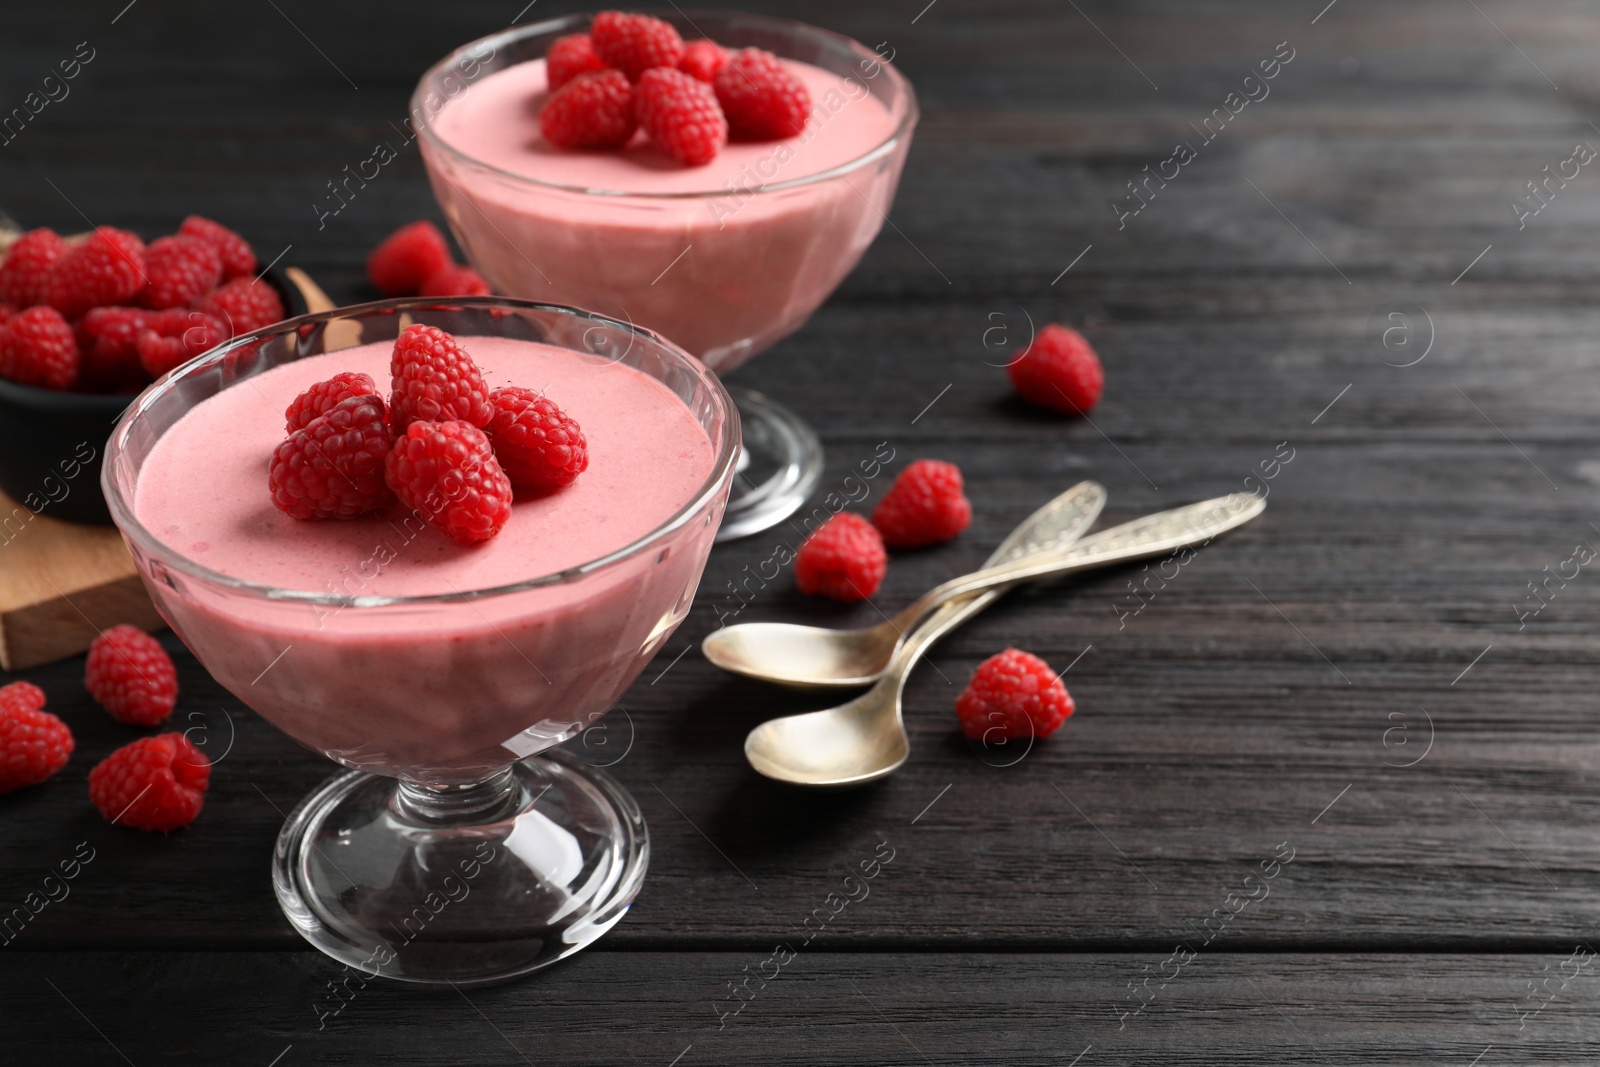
(1350, 269)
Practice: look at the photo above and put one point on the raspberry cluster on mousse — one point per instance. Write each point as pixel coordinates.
(633, 72)
(442, 445)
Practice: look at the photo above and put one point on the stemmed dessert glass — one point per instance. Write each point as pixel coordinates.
(457, 847)
(725, 273)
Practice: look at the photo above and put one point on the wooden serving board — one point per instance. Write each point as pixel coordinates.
(61, 584)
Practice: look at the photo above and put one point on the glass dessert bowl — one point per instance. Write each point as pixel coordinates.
(724, 259)
(457, 848)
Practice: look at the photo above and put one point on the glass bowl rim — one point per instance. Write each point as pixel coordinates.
(726, 454)
(573, 21)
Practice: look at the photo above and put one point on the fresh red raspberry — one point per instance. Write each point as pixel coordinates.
(433, 379)
(238, 259)
(702, 59)
(25, 274)
(924, 506)
(34, 745)
(635, 43)
(21, 696)
(569, 57)
(455, 281)
(131, 676)
(408, 255)
(334, 467)
(538, 445)
(244, 304)
(174, 336)
(1060, 371)
(321, 398)
(1013, 696)
(37, 347)
(593, 110)
(106, 339)
(180, 271)
(446, 472)
(844, 559)
(681, 115)
(762, 98)
(155, 783)
(107, 268)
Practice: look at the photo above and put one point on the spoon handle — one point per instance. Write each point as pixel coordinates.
(1154, 535)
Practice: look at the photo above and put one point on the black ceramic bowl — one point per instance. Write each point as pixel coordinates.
(51, 442)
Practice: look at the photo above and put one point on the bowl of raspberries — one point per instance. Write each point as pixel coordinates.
(87, 321)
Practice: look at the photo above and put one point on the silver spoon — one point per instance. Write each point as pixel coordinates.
(865, 739)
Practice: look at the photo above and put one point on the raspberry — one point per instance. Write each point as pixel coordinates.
(433, 379)
(321, 397)
(924, 506)
(131, 676)
(538, 445)
(1059, 370)
(238, 259)
(1013, 695)
(569, 57)
(180, 271)
(107, 268)
(681, 115)
(407, 256)
(173, 337)
(447, 473)
(106, 339)
(37, 347)
(702, 59)
(844, 559)
(21, 696)
(34, 745)
(244, 304)
(635, 43)
(455, 281)
(334, 467)
(155, 783)
(762, 99)
(25, 274)
(7, 313)
(593, 110)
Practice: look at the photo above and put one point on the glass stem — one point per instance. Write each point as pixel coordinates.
(482, 801)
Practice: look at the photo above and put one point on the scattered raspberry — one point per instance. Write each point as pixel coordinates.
(244, 304)
(21, 696)
(238, 259)
(702, 59)
(34, 745)
(433, 379)
(844, 559)
(635, 43)
(681, 115)
(1013, 695)
(924, 506)
(408, 255)
(173, 337)
(593, 110)
(107, 268)
(569, 57)
(37, 347)
(447, 473)
(334, 467)
(761, 98)
(322, 397)
(538, 445)
(1059, 370)
(155, 783)
(180, 271)
(455, 281)
(131, 676)
(25, 274)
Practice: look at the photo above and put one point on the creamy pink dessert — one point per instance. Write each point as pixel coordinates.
(438, 693)
(723, 259)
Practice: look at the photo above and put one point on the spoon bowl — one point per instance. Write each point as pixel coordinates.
(852, 744)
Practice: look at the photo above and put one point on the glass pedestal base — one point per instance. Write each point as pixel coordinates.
(463, 885)
(781, 466)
